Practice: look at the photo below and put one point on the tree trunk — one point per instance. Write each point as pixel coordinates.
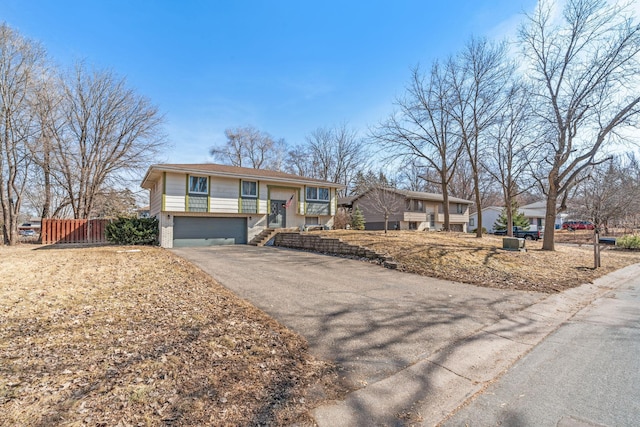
(10, 222)
(479, 210)
(46, 168)
(445, 207)
(548, 243)
(596, 248)
(509, 213)
(5, 228)
(386, 223)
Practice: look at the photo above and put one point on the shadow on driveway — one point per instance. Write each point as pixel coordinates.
(371, 321)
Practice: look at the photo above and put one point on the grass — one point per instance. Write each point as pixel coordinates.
(110, 336)
(106, 336)
(463, 257)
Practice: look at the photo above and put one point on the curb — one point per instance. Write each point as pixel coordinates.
(454, 375)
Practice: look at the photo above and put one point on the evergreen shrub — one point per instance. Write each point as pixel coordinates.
(133, 231)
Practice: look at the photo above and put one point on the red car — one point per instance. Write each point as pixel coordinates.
(578, 225)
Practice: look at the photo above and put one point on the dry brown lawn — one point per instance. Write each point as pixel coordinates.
(109, 336)
(463, 257)
(105, 336)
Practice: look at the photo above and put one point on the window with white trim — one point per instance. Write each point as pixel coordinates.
(198, 185)
(249, 189)
(320, 194)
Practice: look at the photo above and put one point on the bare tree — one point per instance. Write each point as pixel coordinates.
(298, 162)
(48, 111)
(478, 77)
(513, 151)
(109, 130)
(462, 183)
(20, 62)
(36, 198)
(422, 130)
(112, 203)
(380, 195)
(333, 154)
(320, 152)
(363, 181)
(385, 201)
(413, 176)
(584, 69)
(249, 147)
(630, 217)
(604, 195)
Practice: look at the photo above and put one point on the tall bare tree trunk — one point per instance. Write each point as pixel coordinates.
(548, 241)
(509, 213)
(478, 196)
(46, 169)
(596, 248)
(446, 226)
(585, 70)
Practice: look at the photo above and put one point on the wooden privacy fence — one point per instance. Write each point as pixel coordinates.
(73, 231)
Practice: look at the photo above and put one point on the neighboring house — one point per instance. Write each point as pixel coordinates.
(143, 212)
(416, 210)
(489, 217)
(534, 212)
(211, 204)
(32, 224)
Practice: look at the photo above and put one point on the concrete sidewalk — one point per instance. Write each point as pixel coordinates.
(430, 390)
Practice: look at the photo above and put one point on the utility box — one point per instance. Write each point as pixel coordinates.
(513, 244)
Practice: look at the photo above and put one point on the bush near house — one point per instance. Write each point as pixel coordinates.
(341, 220)
(630, 241)
(133, 231)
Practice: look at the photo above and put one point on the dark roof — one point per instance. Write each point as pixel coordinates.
(231, 171)
(431, 196)
(346, 201)
(420, 195)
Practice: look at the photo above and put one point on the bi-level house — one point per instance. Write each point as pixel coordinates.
(412, 210)
(210, 204)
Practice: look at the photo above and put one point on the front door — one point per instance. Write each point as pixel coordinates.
(277, 216)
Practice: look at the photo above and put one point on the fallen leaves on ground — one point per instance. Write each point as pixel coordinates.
(107, 336)
(464, 258)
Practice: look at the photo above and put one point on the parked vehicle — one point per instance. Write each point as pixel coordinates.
(577, 225)
(27, 233)
(520, 233)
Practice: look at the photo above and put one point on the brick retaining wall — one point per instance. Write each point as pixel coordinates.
(327, 245)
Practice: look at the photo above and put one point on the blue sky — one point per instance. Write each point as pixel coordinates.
(285, 67)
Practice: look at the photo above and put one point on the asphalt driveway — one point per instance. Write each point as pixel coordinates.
(372, 321)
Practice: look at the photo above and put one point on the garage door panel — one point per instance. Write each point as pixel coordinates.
(187, 243)
(200, 231)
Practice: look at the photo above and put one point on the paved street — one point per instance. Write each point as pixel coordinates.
(587, 373)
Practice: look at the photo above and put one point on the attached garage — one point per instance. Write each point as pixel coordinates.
(207, 231)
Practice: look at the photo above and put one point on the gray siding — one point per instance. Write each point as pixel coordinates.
(200, 231)
(372, 213)
(198, 202)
